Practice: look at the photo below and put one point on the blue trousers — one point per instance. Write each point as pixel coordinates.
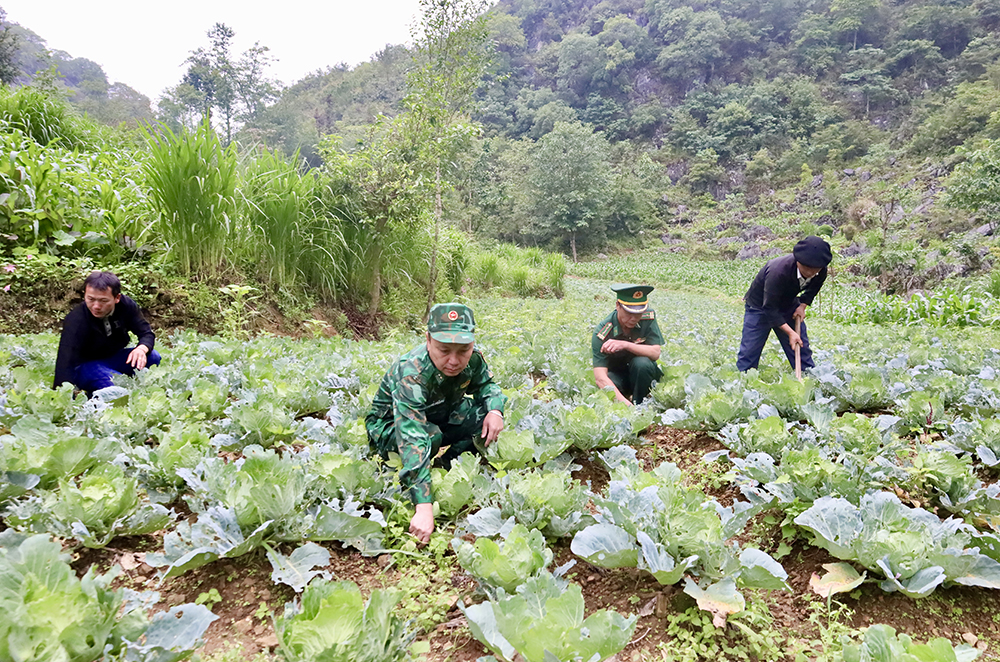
(94, 375)
(756, 330)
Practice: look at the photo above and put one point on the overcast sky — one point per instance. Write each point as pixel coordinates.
(144, 44)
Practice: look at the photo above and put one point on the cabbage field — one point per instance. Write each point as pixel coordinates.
(248, 459)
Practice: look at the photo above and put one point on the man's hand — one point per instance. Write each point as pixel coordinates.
(422, 524)
(621, 398)
(137, 357)
(795, 340)
(612, 346)
(492, 426)
(800, 312)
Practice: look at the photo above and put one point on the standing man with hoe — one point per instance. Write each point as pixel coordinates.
(778, 298)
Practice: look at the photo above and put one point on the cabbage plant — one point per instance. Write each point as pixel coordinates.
(544, 622)
(333, 622)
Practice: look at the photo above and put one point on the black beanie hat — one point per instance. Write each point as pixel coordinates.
(813, 252)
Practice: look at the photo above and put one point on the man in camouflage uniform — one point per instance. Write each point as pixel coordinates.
(421, 406)
(626, 345)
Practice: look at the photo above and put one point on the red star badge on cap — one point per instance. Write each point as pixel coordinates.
(453, 315)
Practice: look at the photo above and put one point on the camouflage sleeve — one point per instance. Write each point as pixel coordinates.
(412, 438)
(484, 389)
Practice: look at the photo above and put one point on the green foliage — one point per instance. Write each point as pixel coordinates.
(962, 117)
(187, 429)
(290, 240)
(912, 548)
(218, 85)
(64, 617)
(526, 272)
(882, 644)
(454, 489)
(973, 183)
(69, 202)
(103, 504)
(947, 306)
(42, 117)
(384, 191)
(551, 501)
(569, 176)
(61, 617)
(670, 531)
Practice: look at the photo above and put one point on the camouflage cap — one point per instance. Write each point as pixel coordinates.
(451, 323)
(633, 298)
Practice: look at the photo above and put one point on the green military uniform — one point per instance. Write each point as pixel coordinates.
(418, 409)
(632, 375)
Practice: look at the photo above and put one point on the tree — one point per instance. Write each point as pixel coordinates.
(570, 179)
(383, 187)
(217, 85)
(452, 49)
(974, 184)
(852, 15)
(181, 107)
(8, 51)
(632, 203)
(581, 58)
(212, 73)
(253, 89)
(868, 77)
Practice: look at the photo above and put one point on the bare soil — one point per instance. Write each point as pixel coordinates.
(244, 585)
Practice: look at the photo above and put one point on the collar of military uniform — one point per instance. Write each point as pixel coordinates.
(438, 377)
(616, 329)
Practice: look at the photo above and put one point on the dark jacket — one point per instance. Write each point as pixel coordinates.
(85, 338)
(776, 290)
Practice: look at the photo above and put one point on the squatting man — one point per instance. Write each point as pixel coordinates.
(421, 407)
(626, 345)
(94, 347)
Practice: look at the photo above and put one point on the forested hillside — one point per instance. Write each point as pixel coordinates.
(810, 82)
(680, 105)
(715, 130)
(27, 59)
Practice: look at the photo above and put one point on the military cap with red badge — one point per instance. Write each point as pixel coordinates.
(633, 298)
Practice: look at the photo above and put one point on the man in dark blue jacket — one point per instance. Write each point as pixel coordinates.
(95, 337)
(778, 296)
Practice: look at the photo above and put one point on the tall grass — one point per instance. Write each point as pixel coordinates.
(124, 210)
(192, 180)
(487, 270)
(287, 237)
(555, 273)
(39, 116)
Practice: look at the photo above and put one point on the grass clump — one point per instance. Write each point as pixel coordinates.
(523, 272)
(192, 183)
